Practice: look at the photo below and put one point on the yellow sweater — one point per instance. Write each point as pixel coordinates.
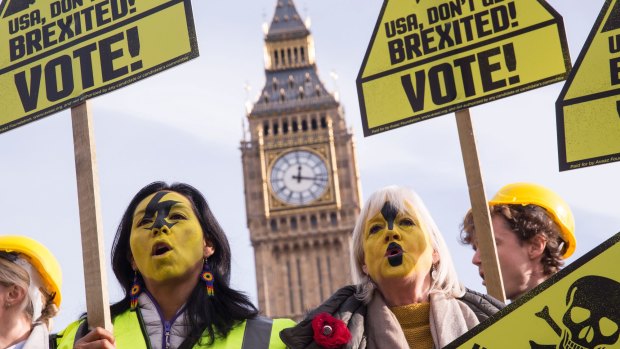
(414, 320)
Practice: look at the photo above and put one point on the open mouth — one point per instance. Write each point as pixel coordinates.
(160, 248)
(394, 254)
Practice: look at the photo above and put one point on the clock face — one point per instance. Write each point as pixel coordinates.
(299, 177)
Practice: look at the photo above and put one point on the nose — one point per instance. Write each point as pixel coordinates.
(392, 235)
(476, 258)
(163, 230)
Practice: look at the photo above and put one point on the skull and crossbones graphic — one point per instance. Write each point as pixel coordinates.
(592, 316)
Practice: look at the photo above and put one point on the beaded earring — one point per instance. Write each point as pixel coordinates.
(136, 289)
(207, 277)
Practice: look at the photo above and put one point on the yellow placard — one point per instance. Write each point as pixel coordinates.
(58, 53)
(588, 109)
(428, 58)
(579, 307)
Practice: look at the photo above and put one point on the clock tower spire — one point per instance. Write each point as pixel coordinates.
(301, 180)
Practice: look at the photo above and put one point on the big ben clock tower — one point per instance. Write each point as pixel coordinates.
(302, 187)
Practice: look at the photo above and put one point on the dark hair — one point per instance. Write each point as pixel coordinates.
(218, 314)
(526, 221)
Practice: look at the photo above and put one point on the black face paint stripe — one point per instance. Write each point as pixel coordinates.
(389, 213)
(162, 209)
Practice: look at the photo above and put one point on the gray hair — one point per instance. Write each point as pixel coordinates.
(446, 280)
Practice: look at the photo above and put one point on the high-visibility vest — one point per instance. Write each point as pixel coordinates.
(258, 333)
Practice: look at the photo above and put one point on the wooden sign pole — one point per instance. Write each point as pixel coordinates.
(97, 300)
(479, 207)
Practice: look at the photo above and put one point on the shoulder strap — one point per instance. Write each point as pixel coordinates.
(81, 331)
(257, 333)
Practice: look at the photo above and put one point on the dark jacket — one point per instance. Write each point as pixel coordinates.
(345, 306)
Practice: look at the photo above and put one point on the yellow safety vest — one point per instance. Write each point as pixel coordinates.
(259, 333)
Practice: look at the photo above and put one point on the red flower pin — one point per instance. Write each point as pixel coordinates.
(329, 332)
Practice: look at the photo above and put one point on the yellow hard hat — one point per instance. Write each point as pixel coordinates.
(40, 258)
(529, 193)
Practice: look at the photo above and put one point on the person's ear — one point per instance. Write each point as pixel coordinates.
(536, 246)
(207, 248)
(365, 269)
(16, 295)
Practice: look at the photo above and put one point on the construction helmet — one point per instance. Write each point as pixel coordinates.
(40, 258)
(534, 194)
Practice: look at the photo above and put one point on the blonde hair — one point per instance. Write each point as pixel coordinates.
(446, 280)
(11, 273)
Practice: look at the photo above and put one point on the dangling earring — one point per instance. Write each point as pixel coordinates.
(433, 272)
(136, 289)
(207, 277)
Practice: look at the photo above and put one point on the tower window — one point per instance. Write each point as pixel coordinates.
(318, 267)
(275, 128)
(301, 92)
(295, 55)
(313, 221)
(317, 88)
(266, 128)
(274, 225)
(282, 95)
(329, 272)
(290, 286)
(314, 124)
(291, 81)
(333, 218)
(274, 83)
(294, 223)
(299, 284)
(283, 57)
(323, 122)
(285, 127)
(304, 125)
(275, 58)
(288, 51)
(295, 126)
(303, 55)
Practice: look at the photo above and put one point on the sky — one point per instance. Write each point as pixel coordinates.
(185, 124)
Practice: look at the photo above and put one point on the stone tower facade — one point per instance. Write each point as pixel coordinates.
(302, 187)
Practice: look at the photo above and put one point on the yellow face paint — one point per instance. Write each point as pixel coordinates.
(166, 237)
(396, 246)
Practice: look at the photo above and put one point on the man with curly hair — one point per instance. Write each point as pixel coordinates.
(534, 233)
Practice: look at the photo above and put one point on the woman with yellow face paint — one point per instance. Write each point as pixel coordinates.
(408, 294)
(172, 259)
